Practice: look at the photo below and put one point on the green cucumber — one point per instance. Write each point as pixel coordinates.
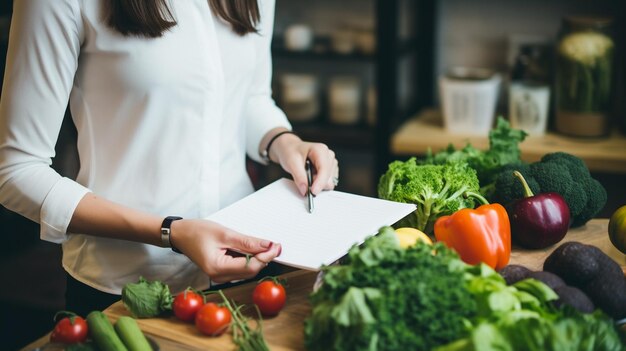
(102, 332)
(128, 330)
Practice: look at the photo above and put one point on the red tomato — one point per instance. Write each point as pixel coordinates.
(212, 319)
(269, 296)
(70, 330)
(186, 305)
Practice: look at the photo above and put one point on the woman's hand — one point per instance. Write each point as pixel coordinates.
(291, 153)
(210, 245)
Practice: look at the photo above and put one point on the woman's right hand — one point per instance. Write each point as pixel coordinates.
(209, 245)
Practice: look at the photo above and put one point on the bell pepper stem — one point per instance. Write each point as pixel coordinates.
(527, 191)
(481, 199)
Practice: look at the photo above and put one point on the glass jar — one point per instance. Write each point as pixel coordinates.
(584, 71)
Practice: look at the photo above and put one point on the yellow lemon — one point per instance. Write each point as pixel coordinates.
(409, 236)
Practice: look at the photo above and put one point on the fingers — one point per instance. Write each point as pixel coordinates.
(230, 268)
(269, 255)
(324, 164)
(327, 168)
(245, 243)
(296, 167)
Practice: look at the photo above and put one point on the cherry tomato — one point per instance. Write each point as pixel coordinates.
(187, 304)
(70, 330)
(212, 319)
(269, 296)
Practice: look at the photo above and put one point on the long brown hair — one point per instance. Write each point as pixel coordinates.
(151, 18)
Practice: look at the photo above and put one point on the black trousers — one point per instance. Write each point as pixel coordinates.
(81, 298)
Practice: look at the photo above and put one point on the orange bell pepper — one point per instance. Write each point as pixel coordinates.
(479, 235)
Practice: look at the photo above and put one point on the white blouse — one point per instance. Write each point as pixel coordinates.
(163, 126)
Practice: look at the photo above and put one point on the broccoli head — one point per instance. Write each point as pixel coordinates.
(555, 177)
(509, 188)
(437, 190)
(561, 173)
(576, 167)
(597, 197)
(587, 196)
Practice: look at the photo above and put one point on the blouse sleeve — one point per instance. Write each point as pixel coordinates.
(261, 111)
(44, 46)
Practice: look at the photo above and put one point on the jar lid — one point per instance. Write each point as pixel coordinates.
(586, 22)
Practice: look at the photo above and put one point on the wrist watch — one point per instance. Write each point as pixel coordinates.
(166, 231)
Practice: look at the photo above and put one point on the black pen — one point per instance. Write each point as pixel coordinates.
(309, 177)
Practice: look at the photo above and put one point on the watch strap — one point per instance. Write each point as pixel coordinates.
(166, 239)
(265, 154)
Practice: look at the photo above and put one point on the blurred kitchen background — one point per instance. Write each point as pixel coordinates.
(351, 73)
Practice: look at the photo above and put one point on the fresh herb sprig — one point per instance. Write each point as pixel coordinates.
(246, 338)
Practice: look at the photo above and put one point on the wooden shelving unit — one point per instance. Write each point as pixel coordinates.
(392, 48)
(424, 131)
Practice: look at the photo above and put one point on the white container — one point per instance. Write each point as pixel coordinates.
(469, 99)
(298, 37)
(299, 97)
(344, 99)
(528, 107)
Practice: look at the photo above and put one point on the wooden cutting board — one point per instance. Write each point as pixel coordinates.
(283, 332)
(595, 233)
(286, 331)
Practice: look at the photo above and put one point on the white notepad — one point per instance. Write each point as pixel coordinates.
(279, 213)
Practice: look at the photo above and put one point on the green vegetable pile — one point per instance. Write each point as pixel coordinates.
(503, 150)
(437, 190)
(557, 172)
(388, 298)
(422, 298)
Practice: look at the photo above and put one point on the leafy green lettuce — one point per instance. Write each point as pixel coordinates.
(146, 299)
(503, 150)
(386, 298)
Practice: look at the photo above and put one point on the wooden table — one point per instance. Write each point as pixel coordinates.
(426, 131)
(285, 332)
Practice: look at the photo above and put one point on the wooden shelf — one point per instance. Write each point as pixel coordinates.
(426, 131)
(326, 53)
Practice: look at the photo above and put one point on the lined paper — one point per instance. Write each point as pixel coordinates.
(279, 213)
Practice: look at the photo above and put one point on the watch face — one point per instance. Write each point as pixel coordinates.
(165, 230)
(165, 237)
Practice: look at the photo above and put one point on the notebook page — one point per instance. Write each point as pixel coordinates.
(279, 213)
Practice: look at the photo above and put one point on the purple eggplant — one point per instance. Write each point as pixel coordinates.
(538, 221)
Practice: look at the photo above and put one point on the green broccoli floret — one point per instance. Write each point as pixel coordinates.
(587, 196)
(576, 167)
(597, 198)
(564, 174)
(576, 196)
(437, 190)
(552, 176)
(509, 188)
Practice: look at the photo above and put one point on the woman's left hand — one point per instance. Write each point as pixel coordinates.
(291, 153)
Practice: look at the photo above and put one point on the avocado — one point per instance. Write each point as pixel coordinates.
(572, 296)
(608, 288)
(550, 279)
(591, 270)
(514, 273)
(574, 262)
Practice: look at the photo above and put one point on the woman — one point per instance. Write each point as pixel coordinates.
(168, 97)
